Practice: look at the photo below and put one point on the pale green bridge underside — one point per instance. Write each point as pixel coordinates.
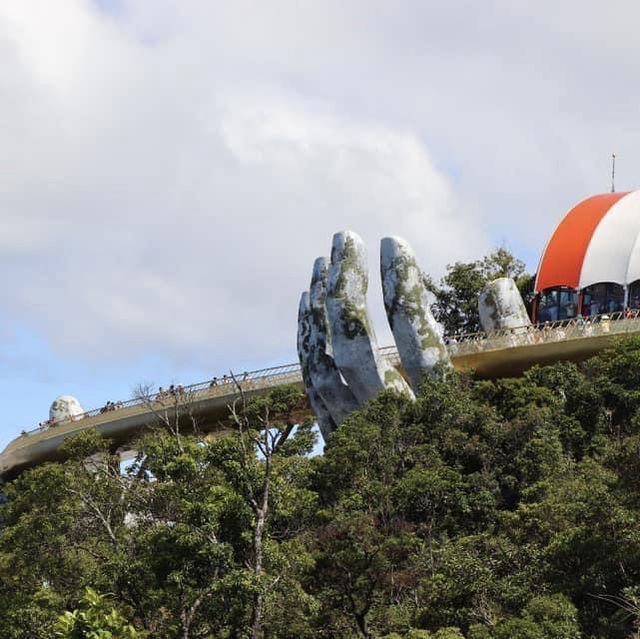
(500, 354)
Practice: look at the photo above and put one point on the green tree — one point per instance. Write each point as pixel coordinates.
(263, 463)
(397, 477)
(544, 617)
(95, 619)
(484, 509)
(176, 538)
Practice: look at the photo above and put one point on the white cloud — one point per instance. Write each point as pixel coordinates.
(169, 170)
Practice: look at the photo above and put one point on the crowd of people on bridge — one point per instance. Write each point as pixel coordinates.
(109, 406)
(175, 390)
(226, 379)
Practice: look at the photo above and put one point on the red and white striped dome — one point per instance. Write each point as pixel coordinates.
(597, 241)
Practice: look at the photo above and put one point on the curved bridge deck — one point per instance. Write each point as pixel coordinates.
(499, 354)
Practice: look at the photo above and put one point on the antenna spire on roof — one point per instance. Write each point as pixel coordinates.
(613, 172)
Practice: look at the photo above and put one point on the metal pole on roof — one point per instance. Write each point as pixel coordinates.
(613, 172)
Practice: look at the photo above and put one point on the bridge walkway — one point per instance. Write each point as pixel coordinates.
(497, 354)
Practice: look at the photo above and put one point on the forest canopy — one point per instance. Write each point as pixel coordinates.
(506, 509)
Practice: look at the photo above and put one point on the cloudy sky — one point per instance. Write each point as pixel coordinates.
(170, 169)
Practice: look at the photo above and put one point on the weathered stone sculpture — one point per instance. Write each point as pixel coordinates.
(325, 421)
(416, 333)
(500, 306)
(335, 394)
(65, 408)
(341, 365)
(354, 342)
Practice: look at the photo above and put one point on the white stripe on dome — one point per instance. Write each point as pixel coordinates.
(633, 268)
(612, 247)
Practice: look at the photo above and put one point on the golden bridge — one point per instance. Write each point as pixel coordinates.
(501, 353)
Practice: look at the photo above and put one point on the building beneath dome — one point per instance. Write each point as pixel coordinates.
(591, 264)
(65, 408)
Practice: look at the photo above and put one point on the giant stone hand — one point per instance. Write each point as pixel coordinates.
(341, 364)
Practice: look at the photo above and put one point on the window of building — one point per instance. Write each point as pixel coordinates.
(604, 297)
(557, 304)
(634, 294)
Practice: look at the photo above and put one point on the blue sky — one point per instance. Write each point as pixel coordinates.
(169, 171)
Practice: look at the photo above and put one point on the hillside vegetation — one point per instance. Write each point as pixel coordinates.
(484, 510)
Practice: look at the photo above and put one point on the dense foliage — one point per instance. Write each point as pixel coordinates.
(505, 509)
(95, 620)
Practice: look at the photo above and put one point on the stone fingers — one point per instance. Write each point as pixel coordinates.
(341, 364)
(417, 335)
(354, 343)
(500, 306)
(325, 421)
(323, 372)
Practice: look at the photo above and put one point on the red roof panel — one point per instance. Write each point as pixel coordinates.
(562, 259)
